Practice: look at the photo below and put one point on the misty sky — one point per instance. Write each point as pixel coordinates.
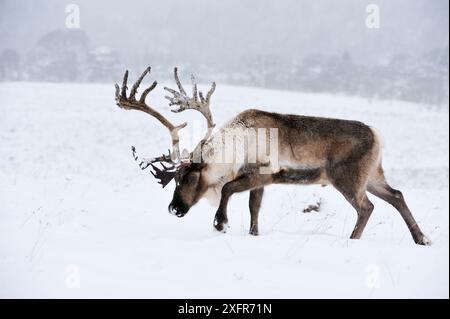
(203, 30)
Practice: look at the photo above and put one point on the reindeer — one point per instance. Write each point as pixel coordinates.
(310, 150)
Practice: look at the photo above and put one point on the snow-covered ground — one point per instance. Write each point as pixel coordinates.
(78, 218)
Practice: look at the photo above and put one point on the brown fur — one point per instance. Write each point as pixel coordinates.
(312, 150)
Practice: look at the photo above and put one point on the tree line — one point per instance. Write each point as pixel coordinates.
(69, 56)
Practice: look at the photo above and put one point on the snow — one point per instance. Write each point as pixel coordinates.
(78, 218)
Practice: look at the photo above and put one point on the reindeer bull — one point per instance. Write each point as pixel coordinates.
(310, 150)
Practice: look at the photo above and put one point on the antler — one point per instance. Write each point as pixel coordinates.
(164, 175)
(197, 102)
(130, 103)
(146, 162)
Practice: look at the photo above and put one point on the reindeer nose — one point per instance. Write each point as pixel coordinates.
(176, 211)
(172, 210)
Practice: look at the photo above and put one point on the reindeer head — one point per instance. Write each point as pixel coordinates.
(186, 171)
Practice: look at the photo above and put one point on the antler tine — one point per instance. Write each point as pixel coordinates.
(147, 91)
(210, 92)
(202, 99)
(117, 92)
(167, 168)
(138, 82)
(194, 87)
(208, 95)
(177, 80)
(124, 84)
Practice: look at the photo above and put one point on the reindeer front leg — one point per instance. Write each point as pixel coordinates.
(250, 181)
(254, 203)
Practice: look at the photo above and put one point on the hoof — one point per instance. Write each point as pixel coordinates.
(221, 227)
(254, 232)
(425, 241)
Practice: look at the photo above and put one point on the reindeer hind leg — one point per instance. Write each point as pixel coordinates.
(379, 187)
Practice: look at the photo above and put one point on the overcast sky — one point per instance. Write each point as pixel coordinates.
(232, 29)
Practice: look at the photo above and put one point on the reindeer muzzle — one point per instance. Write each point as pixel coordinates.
(174, 210)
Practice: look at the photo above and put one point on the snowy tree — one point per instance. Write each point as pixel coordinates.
(103, 64)
(9, 65)
(60, 55)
